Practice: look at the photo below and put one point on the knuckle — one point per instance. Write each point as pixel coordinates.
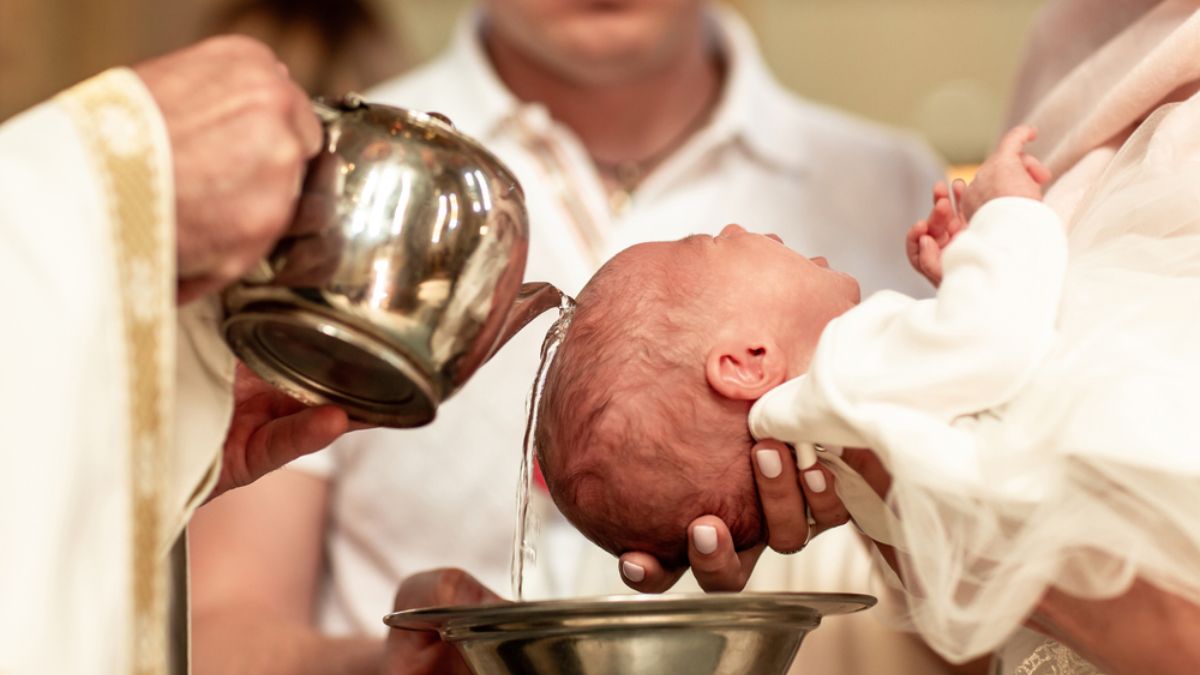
(448, 582)
(289, 154)
(715, 566)
(832, 517)
(786, 542)
(271, 98)
(270, 222)
(777, 490)
(241, 46)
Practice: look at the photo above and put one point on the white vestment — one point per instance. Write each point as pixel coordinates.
(404, 501)
(1038, 415)
(115, 408)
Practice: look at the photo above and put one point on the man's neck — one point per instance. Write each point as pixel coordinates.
(639, 120)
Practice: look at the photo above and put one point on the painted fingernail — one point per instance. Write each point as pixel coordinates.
(815, 480)
(704, 538)
(632, 572)
(769, 463)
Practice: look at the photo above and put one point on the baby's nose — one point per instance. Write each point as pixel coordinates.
(732, 229)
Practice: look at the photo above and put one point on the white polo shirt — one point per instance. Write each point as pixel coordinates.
(444, 495)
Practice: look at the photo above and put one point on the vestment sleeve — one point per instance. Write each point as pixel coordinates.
(91, 483)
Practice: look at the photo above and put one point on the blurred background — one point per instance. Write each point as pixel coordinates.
(940, 67)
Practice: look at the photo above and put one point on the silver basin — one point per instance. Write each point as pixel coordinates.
(715, 634)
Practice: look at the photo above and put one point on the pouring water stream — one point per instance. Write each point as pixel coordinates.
(524, 556)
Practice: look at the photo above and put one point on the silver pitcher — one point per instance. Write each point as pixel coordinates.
(400, 275)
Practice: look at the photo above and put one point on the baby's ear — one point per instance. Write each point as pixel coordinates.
(744, 370)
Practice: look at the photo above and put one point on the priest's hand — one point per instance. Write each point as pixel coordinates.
(241, 133)
(421, 653)
(270, 429)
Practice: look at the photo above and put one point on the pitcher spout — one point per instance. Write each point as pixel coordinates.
(533, 299)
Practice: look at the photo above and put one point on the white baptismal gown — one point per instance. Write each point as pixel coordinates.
(1040, 416)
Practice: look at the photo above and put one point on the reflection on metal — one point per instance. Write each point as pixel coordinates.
(388, 291)
(717, 634)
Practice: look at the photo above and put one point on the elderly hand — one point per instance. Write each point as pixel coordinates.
(241, 132)
(270, 429)
(418, 653)
(785, 493)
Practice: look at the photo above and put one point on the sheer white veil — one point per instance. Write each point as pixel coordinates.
(1092, 474)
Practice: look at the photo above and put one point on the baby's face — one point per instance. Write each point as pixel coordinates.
(758, 273)
(635, 442)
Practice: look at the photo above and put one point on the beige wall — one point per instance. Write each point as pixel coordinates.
(943, 67)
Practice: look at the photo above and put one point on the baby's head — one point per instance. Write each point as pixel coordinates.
(642, 426)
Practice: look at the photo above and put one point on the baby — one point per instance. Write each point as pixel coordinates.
(643, 425)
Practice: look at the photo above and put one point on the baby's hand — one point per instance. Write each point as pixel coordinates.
(1007, 172)
(928, 238)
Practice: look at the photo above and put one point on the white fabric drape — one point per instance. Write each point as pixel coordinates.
(1085, 476)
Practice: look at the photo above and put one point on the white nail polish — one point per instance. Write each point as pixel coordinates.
(769, 463)
(632, 572)
(815, 480)
(704, 538)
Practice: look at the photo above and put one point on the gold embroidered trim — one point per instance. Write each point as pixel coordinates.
(118, 121)
(1051, 658)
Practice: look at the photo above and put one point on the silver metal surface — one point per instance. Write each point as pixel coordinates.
(400, 275)
(715, 634)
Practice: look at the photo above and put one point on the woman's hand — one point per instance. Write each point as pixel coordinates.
(788, 497)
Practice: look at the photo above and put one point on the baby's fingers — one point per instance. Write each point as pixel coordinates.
(1037, 171)
(642, 572)
(940, 191)
(1013, 142)
(957, 190)
(940, 222)
(912, 242)
(929, 260)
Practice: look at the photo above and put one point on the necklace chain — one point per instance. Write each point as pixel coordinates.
(628, 173)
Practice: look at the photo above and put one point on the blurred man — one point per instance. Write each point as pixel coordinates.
(120, 200)
(625, 122)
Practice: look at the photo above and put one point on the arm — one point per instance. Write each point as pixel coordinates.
(1146, 631)
(968, 349)
(256, 557)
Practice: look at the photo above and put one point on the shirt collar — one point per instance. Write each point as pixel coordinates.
(491, 103)
(754, 112)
